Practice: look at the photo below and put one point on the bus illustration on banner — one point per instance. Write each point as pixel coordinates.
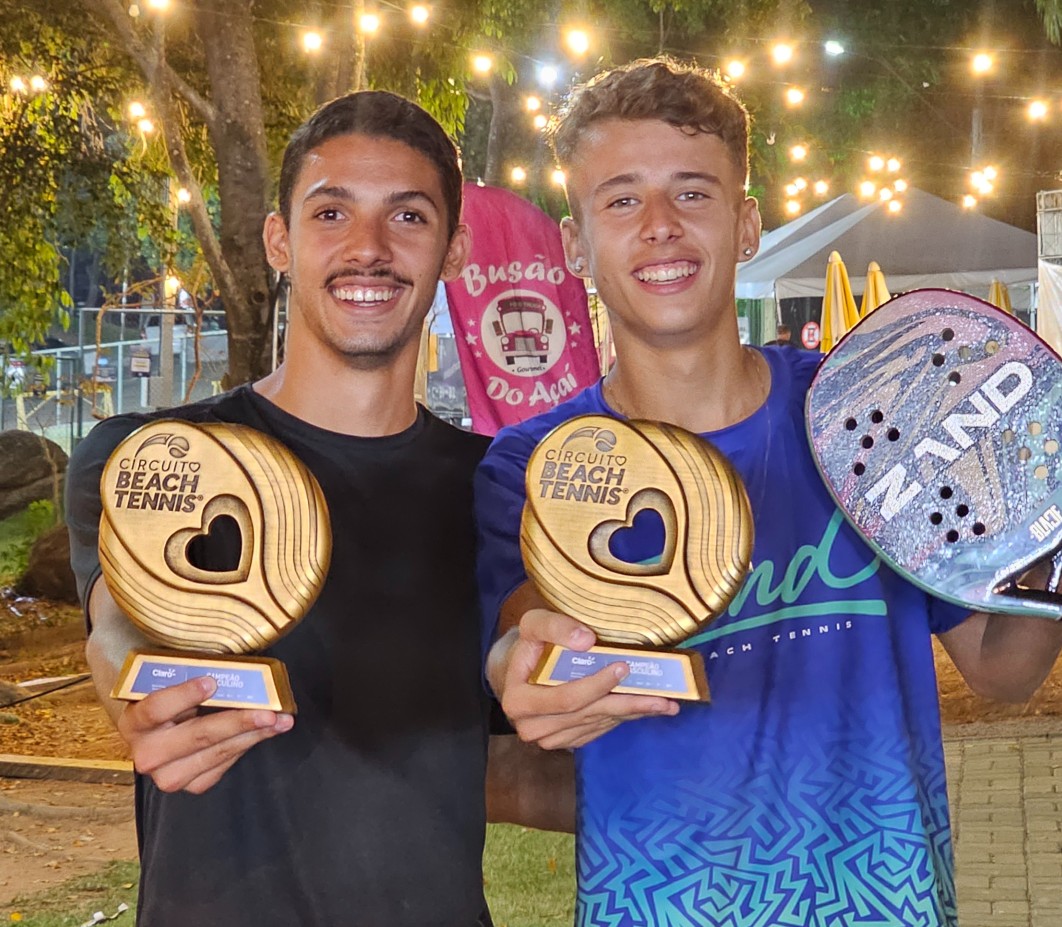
(523, 329)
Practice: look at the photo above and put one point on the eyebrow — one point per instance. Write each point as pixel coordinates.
(622, 180)
(397, 198)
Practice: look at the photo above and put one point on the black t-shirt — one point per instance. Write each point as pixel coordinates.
(370, 811)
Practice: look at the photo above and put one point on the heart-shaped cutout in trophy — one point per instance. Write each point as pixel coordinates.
(215, 541)
(642, 584)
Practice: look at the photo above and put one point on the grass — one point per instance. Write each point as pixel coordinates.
(17, 534)
(529, 879)
(73, 903)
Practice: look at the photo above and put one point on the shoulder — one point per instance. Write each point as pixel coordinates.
(453, 441)
(94, 449)
(522, 438)
(792, 369)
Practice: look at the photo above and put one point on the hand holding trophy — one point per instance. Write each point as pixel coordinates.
(588, 482)
(215, 541)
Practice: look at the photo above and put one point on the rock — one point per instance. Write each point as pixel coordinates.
(48, 572)
(31, 468)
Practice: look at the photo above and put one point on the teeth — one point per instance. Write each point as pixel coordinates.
(664, 274)
(358, 294)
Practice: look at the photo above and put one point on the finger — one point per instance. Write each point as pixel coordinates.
(203, 734)
(548, 627)
(165, 706)
(572, 730)
(202, 769)
(570, 697)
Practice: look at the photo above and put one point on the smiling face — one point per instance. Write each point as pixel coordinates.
(660, 221)
(366, 244)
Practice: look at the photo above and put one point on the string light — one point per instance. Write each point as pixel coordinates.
(369, 23)
(792, 207)
(38, 84)
(876, 163)
(518, 174)
(900, 186)
(312, 41)
(782, 53)
(183, 196)
(821, 188)
(833, 48)
(790, 189)
(18, 85)
(419, 14)
(798, 152)
(146, 126)
(540, 121)
(894, 206)
(558, 177)
(969, 201)
(885, 194)
(159, 5)
(981, 63)
(482, 64)
(548, 75)
(136, 110)
(578, 41)
(735, 69)
(794, 96)
(867, 189)
(1037, 110)
(801, 184)
(893, 165)
(533, 104)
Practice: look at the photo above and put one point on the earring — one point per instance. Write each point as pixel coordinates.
(578, 265)
(747, 252)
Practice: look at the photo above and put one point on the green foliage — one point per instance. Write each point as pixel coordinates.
(18, 533)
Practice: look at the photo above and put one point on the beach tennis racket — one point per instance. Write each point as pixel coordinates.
(936, 423)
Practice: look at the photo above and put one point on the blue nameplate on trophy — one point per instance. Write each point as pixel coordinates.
(652, 672)
(242, 682)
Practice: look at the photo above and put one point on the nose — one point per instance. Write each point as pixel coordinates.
(660, 220)
(366, 243)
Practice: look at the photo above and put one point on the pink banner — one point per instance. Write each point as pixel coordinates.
(520, 319)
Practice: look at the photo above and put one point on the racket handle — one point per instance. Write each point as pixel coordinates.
(1056, 572)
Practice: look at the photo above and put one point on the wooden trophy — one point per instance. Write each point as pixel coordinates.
(587, 482)
(215, 541)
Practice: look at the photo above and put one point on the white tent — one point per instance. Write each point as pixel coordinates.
(930, 243)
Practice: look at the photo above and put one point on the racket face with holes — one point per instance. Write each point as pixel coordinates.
(936, 423)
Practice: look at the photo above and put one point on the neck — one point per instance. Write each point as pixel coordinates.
(330, 393)
(697, 389)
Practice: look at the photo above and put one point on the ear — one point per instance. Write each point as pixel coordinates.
(574, 253)
(456, 253)
(277, 245)
(749, 226)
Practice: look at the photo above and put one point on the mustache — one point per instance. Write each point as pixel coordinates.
(380, 273)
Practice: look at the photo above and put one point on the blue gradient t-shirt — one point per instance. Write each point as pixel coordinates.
(811, 791)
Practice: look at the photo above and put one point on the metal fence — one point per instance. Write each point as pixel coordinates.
(146, 359)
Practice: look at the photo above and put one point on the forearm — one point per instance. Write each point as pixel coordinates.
(113, 635)
(530, 786)
(1004, 657)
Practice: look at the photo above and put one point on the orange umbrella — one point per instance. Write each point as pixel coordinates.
(838, 305)
(999, 295)
(875, 292)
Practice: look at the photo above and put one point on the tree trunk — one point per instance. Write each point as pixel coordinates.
(238, 137)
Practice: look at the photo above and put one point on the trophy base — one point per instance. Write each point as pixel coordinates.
(677, 674)
(243, 682)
